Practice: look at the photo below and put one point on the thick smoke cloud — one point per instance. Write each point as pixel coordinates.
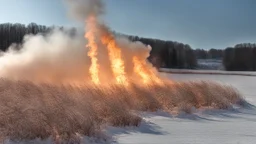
(82, 9)
(59, 58)
(56, 58)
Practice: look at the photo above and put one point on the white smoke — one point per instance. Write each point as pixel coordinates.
(60, 58)
(129, 50)
(81, 9)
(56, 57)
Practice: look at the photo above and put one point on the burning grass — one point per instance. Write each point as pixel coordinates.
(29, 111)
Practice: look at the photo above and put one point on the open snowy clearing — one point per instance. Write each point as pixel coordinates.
(207, 72)
(234, 126)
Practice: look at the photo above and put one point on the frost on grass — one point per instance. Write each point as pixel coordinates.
(30, 111)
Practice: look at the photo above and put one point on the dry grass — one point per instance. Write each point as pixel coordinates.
(29, 111)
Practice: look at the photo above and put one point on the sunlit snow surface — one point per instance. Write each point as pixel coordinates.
(234, 126)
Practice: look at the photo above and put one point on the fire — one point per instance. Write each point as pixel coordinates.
(144, 72)
(115, 56)
(98, 35)
(92, 45)
(139, 69)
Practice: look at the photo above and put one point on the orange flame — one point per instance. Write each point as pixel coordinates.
(147, 75)
(92, 45)
(98, 34)
(114, 52)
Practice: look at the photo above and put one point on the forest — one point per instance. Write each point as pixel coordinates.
(209, 54)
(241, 57)
(164, 54)
(167, 54)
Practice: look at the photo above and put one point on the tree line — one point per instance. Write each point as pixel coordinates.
(241, 57)
(166, 54)
(209, 54)
(14, 33)
(169, 54)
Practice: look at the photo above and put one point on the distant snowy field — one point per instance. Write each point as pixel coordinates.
(207, 72)
(234, 126)
(210, 64)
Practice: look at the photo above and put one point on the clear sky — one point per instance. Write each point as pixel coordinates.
(200, 23)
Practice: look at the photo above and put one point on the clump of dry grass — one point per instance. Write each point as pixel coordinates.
(29, 111)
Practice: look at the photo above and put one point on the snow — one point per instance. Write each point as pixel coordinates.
(210, 64)
(207, 72)
(234, 126)
(203, 127)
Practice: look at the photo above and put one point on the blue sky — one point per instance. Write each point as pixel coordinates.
(200, 23)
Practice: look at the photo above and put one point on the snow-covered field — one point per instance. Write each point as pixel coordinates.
(210, 64)
(234, 126)
(207, 72)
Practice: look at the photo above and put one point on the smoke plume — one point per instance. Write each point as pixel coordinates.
(60, 58)
(56, 57)
(82, 9)
(66, 113)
